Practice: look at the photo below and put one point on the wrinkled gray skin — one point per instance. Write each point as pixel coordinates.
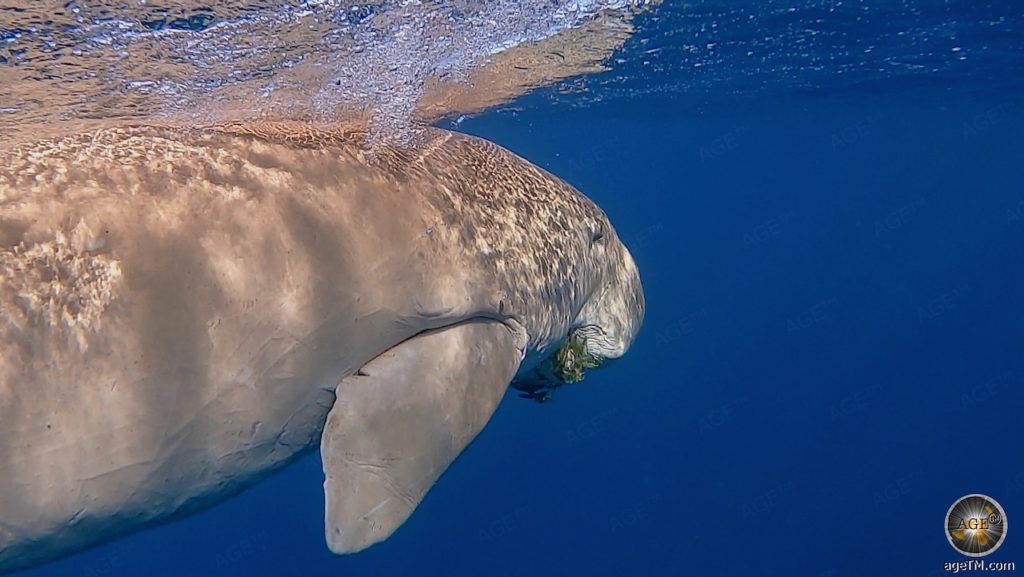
(184, 312)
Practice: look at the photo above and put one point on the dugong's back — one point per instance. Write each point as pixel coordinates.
(175, 315)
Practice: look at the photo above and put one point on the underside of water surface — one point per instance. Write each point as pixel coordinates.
(67, 66)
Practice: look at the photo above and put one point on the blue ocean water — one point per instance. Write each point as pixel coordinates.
(832, 353)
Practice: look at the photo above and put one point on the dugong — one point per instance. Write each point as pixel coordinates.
(185, 310)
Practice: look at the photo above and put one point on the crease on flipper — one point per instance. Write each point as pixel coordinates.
(402, 419)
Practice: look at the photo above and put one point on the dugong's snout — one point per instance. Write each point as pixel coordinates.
(604, 329)
(611, 318)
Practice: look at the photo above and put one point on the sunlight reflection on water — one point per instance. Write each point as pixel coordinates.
(86, 62)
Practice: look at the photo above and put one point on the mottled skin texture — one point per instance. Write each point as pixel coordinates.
(178, 306)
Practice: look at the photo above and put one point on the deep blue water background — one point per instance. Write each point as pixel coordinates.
(833, 354)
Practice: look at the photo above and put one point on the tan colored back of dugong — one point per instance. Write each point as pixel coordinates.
(254, 283)
(164, 334)
(176, 310)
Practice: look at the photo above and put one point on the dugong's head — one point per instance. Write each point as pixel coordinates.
(606, 324)
(611, 317)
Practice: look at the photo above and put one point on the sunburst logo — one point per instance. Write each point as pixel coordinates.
(976, 525)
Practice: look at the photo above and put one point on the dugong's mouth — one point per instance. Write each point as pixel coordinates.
(565, 366)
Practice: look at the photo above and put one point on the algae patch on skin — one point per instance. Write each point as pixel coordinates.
(565, 366)
(572, 359)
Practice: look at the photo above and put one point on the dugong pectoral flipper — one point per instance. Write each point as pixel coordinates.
(400, 421)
